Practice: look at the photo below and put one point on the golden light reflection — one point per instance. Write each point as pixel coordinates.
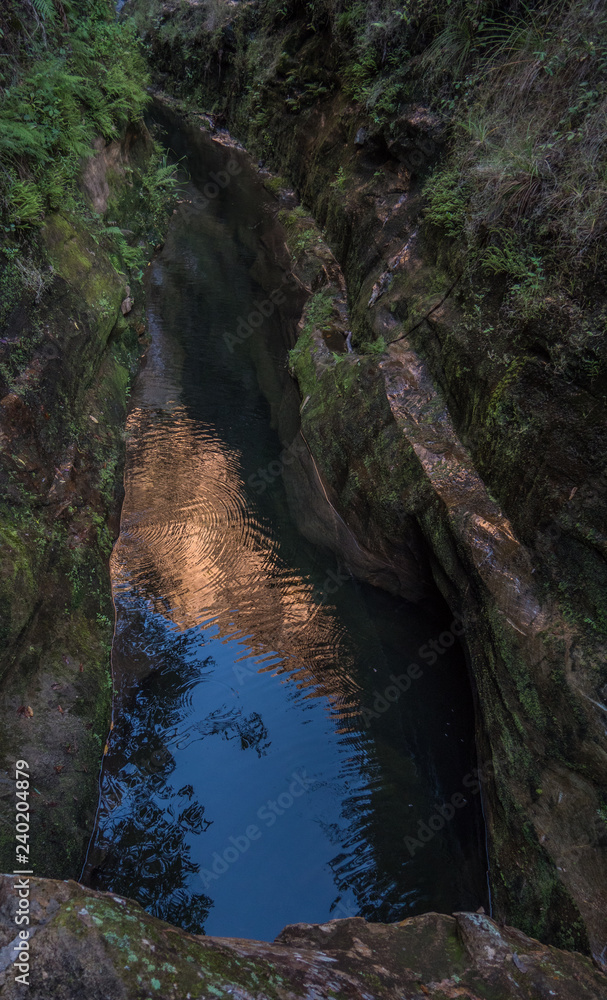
(188, 535)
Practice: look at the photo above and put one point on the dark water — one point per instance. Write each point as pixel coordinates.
(254, 777)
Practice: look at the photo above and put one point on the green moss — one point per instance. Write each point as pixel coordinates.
(72, 255)
(275, 184)
(302, 234)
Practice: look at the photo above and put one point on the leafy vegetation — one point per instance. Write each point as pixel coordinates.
(302, 233)
(68, 73)
(517, 88)
(319, 309)
(447, 202)
(526, 107)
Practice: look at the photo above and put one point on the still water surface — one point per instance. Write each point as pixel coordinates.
(245, 786)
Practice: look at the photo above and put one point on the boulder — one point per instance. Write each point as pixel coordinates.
(97, 945)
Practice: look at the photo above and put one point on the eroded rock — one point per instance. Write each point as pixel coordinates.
(85, 943)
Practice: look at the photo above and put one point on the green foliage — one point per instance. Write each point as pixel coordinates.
(26, 203)
(319, 309)
(82, 77)
(157, 190)
(123, 255)
(275, 184)
(452, 47)
(340, 180)
(506, 257)
(527, 102)
(302, 234)
(45, 9)
(519, 88)
(446, 201)
(376, 347)
(377, 37)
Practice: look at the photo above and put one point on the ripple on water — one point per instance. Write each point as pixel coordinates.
(193, 545)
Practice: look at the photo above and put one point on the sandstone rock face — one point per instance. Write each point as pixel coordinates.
(104, 947)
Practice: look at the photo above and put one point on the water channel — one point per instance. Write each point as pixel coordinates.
(253, 778)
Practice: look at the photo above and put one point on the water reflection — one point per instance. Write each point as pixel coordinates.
(244, 787)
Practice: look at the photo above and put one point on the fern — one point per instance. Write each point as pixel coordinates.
(45, 9)
(26, 203)
(60, 98)
(447, 201)
(18, 139)
(130, 257)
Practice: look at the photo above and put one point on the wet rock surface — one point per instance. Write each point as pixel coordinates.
(84, 943)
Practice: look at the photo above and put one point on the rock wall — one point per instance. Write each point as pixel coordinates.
(62, 419)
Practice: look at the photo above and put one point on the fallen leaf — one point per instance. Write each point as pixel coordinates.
(60, 709)
(25, 710)
(106, 749)
(59, 768)
(56, 687)
(94, 419)
(81, 668)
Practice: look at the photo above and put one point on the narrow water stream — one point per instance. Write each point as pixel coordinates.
(257, 774)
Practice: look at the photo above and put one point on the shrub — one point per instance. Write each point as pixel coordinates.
(446, 201)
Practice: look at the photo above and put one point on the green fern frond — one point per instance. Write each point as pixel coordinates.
(45, 8)
(18, 139)
(131, 257)
(26, 204)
